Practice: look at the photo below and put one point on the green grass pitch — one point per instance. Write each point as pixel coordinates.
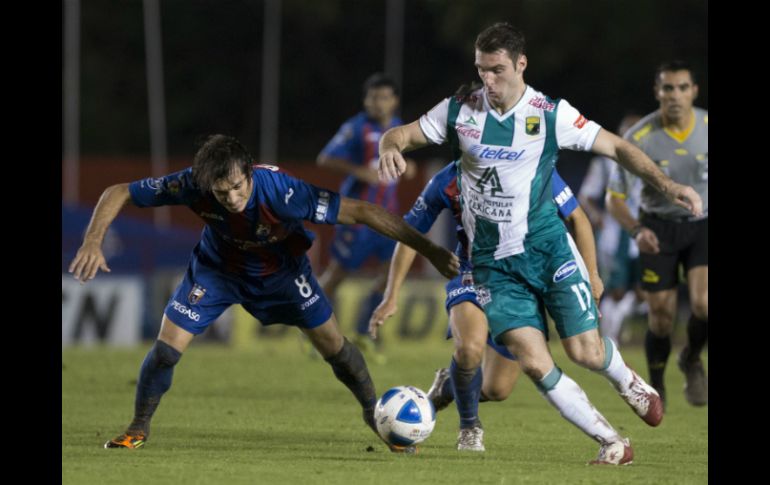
(271, 414)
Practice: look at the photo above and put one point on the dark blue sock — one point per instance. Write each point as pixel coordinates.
(154, 380)
(362, 327)
(467, 389)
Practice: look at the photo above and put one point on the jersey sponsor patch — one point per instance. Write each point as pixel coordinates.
(461, 291)
(420, 205)
(580, 122)
(323, 206)
(196, 294)
(483, 295)
(542, 104)
(469, 132)
(154, 183)
(262, 230)
(533, 125)
(174, 186)
(482, 151)
(565, 271)
(185, 311)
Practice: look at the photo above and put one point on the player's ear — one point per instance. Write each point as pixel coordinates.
(521, 63)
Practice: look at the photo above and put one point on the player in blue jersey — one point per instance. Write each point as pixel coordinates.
(465, 381)
(251, 252)
(354, 152)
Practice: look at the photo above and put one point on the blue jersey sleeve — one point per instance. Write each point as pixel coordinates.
(346, 143)
(563, 195)
(174, 189)
(293, 199)
(428, 205)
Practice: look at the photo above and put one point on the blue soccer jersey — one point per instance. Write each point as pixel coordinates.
(256, 257)
(267, 236)
(358, 142)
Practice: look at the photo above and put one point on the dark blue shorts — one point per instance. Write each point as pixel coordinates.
(292, 297)
(354, 244)
(456, 293)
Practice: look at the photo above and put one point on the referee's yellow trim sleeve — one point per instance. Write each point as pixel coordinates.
(616, 194)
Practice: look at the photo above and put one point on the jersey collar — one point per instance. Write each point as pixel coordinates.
(502, 117)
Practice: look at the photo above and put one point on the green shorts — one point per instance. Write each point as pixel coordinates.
(513, 291)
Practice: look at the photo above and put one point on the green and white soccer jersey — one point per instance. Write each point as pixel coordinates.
(521, 253)
(506, 165)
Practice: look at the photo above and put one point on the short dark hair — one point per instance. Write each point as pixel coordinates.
(380, 80)
(216, 159)
(675, 65)
(502, 35)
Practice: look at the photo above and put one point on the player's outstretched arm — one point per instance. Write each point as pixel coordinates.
(403, 257)
(89, 258)
(586, 244)
(637, 162)
(354, 211)
(393, 143)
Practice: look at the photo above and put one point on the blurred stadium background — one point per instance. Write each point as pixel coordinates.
(143, 81)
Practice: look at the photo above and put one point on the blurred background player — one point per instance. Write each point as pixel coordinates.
(354, 152)
(676, 137)
(251, 252)
(617, 253)
(468, 381)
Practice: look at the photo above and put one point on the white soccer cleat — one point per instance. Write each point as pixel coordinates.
(615, 453)
(471, 439)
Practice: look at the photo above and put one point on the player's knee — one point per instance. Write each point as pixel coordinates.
(165, 355)
(469, 354)
(588, 356)
(661, 319)
(535, 369)
(700, 307)
(497, 391)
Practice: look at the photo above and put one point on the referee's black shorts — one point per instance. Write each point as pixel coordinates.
(685, 242)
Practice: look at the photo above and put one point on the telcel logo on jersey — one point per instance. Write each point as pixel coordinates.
(565, 271)
(481, 151)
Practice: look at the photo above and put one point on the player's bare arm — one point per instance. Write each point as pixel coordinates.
(403, 257)
(584, 240)
(393, 143)
(354, 211)
(89, 258)
(635, 160)
(645, 238)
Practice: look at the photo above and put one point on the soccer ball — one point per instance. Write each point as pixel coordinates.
(404, 416)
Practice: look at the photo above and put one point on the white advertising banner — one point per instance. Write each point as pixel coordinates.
(106, 310)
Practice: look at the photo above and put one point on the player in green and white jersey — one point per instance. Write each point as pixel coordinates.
(676, 137)
(507, 136)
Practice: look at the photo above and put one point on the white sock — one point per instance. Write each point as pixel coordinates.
(573, 404)
(615, 370)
